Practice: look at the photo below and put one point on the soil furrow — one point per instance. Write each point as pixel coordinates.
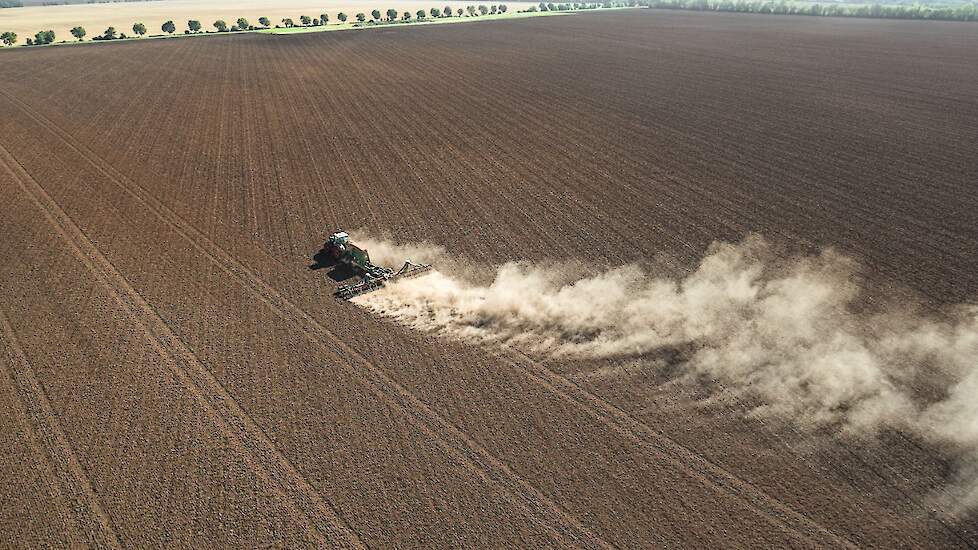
(258, 450)
(92, 521)
(662, 445)
(525, 496)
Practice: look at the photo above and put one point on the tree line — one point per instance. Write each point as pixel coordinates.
(393, 16)
(575, 6)
(963, 12)
(243, 24)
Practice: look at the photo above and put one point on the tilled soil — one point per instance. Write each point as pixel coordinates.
(175, 374)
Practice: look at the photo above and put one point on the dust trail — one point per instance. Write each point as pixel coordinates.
(384, 252)
(784, 330)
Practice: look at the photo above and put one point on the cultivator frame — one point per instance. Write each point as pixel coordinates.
(372, 277)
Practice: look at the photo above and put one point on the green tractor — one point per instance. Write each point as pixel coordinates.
(372, 277)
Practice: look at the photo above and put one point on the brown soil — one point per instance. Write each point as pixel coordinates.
(175, 374)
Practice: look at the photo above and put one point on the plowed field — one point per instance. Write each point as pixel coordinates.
(173, 373)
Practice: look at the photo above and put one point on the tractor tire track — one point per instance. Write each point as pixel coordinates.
(619, 421)
(375, 131)
(610, 415)
(607, 413)
(736, 403)
(671, 450)
(84, 508)
(561, 524)
(489, 159)
(242, 432)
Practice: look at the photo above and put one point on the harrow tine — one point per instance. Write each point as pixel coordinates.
(353, 290)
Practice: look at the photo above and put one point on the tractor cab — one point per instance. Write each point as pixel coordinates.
(337, 239)
(336, 245)
(372, 277)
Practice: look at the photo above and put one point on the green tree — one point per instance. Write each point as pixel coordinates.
(483, 10)
(435, 12)
(9, 38)
(43, 37)
(361, 17)
(392, 15)
(502, 8)
(139, 29)
(306, 20)
(324, 18)
(375, 15)
(288, 22)
(243, 24)
(263, 21)
(169, 27)
(194, 25)
(406, 16)
(447, 11)
(420, 15)
(494, 9)
(459, 12)
(109, 34)
(342, 17)
(221, 25)
(471, 10)
(79, 33)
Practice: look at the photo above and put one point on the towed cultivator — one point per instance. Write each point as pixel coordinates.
(372, 277)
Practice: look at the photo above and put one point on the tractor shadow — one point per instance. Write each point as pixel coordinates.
(338, 272)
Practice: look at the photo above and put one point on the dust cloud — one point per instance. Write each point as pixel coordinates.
(786, 331)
